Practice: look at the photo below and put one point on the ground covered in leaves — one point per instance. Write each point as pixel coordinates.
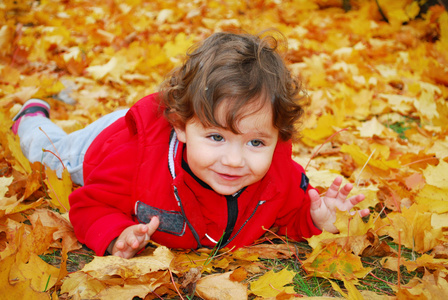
(376, 73)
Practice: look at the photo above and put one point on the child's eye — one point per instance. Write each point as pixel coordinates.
(256, 143)
(216, 137)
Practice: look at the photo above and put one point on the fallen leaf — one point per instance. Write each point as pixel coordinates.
(411, 228)
(20, 289)
(59, 189)
(271, 283)
(436, 176)
(129, 268)
(42, 276)
(220, 286)
(64, 229)
(331, 261)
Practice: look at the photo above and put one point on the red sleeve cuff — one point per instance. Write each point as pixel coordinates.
(106, 229)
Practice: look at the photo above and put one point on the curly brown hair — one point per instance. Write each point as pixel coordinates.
(240, 69)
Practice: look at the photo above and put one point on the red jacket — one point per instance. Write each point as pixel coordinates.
(128, 163)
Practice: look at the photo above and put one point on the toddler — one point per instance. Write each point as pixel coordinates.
(204, 162)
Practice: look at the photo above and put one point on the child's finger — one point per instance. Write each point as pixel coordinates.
(316, 202)
(333, 190)
(344, 191)
(132, 241)
(140, 230)
(119, 245)
(356, 199)
(152, 226)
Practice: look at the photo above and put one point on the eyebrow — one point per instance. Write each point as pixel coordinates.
(263, 134)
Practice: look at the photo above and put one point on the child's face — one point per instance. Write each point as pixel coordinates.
(226, 161)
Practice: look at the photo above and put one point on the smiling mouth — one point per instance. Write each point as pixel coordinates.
(229, 177)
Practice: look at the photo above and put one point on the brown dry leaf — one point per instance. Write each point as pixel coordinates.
(129, 268)
(33, 180)
(426, 261)
(109, 276)
(80, 283)
(145, 285)
(430, 286)
(269, 251)
(220, 286)
(191, 277)
(64, 228)
(238, 275)
(36, 242)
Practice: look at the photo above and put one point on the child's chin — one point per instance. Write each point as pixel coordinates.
(225, 190)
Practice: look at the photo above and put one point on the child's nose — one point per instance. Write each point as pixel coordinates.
(233, 157)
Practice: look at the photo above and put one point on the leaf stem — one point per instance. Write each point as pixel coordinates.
(359, 175)
(56, 150)
(45, 150)
(172, 280)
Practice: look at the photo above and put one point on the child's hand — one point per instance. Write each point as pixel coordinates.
(133, 239)
(323, 210)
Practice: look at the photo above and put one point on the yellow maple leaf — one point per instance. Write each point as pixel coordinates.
(426, 106)
(82, 284)
(411, 228)
(436, 199)
(439, 220)
(399, 103)
(371, 128)
(354, 234)
(439, 148)
(100, 71)
(323, 129)
(399, 11)
(41, 274)
(17, 290)
(4, 183)
(442, 43)
(361, 158)
(331, 261)
(437, 175)
(271, 284)
(179, 46)
(59, 189)
(353, 293)
(20, 161)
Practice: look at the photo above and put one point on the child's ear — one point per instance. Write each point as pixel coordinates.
(181, 135)
(178, 126)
